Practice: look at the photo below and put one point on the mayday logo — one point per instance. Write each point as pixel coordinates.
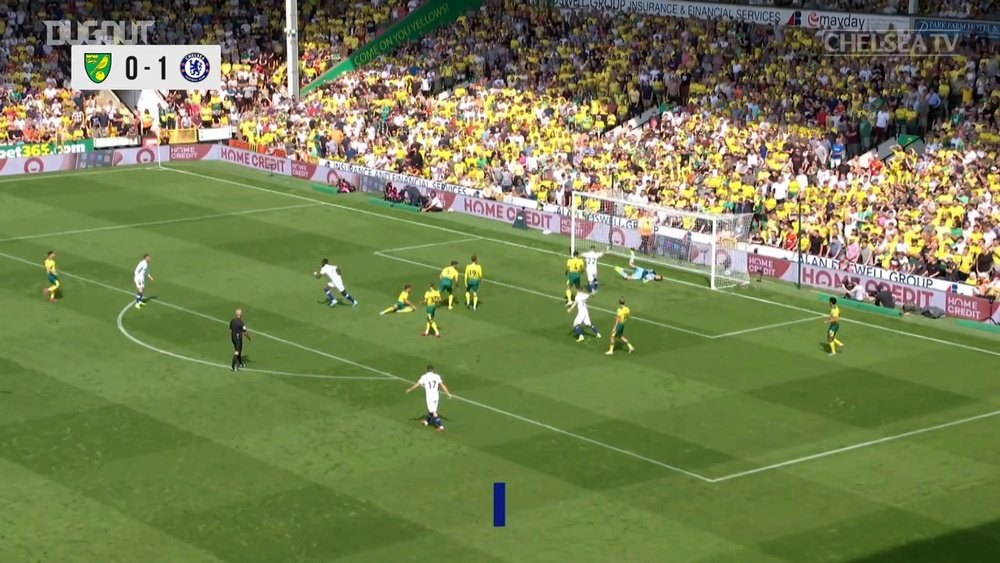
(824, 20)
(891, 44)
(93, 32)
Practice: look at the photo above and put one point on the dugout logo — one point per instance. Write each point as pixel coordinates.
(195, 67)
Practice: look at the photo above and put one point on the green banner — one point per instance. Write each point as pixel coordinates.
(418, 23)
(27, 150)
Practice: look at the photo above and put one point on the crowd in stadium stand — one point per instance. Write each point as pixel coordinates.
(981, 9)
(38, 106)
(528, 101)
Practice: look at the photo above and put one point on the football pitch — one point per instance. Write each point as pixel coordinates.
(729, 436)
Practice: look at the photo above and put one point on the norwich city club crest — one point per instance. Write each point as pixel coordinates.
(98, 65)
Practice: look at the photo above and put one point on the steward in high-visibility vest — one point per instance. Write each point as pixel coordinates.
(646, 229)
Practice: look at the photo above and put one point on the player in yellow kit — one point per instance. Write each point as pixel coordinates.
(833, 327)
(52, 275)
(449, 279)
(473, 277)
(618, 332)
(574, 276)
(403, 304)
(431, 299)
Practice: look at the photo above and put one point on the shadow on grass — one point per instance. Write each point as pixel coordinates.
(968, 545)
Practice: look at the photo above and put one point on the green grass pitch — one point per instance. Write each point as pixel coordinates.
(729, 436)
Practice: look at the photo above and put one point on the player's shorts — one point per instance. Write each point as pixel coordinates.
(337, 284)
(431, 311)
(582, 319)
(573, 279)
(591, 276)
(620, 331)
(432, 404)
(400, 305)
(446, 285)
(833, 329)
(53, 279)
(140, 283)
(238, 344)
(472, 285)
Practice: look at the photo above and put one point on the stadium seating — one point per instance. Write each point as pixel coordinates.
(540, 97)
(979, 10)
(527, 100)
(34, 76)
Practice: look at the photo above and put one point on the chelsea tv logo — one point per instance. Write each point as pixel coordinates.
(194, 67)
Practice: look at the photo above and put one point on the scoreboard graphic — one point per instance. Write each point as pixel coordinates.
(146, 67)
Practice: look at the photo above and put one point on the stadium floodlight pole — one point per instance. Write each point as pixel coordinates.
(798, 238)
(292, 46)
(572, 225)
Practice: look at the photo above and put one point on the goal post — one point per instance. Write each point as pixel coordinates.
(713, 245)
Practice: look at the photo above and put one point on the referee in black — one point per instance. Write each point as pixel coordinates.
(237, 331)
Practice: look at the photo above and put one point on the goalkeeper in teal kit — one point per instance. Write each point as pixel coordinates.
(637, 273)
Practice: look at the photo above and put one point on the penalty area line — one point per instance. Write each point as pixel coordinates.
(853, 447)
(767, 327)
(440, 228)
(120, 322)
(388, 375)
(430, 245)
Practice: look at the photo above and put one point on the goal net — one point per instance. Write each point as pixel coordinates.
(707, 244)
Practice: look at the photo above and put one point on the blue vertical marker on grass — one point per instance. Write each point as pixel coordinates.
(499, 505)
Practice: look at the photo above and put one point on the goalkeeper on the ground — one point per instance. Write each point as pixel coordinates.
(637, 273)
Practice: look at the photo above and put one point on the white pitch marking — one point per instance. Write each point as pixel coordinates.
(388, 375)
(162, 222)
(869, 325)
(430, 245)
(877, 441)
(121, 328)
(50, 175)
(546, 251)
(383, 254)
(766, 327)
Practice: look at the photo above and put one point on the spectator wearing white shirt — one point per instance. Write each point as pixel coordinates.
(434, 204)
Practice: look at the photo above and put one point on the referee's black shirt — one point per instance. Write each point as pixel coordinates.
(237, 328)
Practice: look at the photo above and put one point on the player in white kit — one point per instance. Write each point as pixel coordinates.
(332, 273)
(433, 385)
(582, 316)
(590, 258)
(140, 276)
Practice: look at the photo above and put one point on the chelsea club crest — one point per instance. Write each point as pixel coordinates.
(194, 67)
